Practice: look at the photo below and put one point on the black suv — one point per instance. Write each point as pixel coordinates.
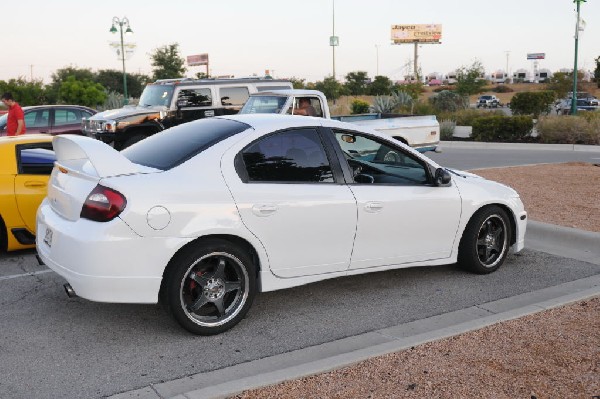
(169, 102)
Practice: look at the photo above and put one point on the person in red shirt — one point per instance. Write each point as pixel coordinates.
(15, 124)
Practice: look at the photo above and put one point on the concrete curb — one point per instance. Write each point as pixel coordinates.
(561, 241)
(519, 146)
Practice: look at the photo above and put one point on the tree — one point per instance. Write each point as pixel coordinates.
(382, 85)
(60, 75)
(356, 83)
(201, 75)
(81, 92)
(167, 63)
(297, 83)
(112, 80)
(532, 103)
(24, 92)
(331, 88)
(597, 71)
(562, 83)
(469, 80)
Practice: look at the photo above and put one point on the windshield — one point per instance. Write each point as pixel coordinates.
(154, 95)
(264, 105)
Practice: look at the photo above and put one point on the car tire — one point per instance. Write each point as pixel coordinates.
(485, 241)
(3, 236)
(210, 287)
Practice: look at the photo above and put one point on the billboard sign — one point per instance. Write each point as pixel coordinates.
(536, 56)
(198, 59)
(431, 33)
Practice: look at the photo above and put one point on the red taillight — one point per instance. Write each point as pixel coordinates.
(103, 204)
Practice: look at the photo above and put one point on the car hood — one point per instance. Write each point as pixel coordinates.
(120, 113)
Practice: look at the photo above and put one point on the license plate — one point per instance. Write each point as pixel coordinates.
(48, 237)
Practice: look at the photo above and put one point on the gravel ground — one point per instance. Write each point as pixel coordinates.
(552, 354)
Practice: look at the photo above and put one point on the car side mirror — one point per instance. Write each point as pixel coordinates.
(442, 177)
(362, 178)
(181, 103)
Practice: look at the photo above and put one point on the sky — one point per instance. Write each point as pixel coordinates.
(291, 38)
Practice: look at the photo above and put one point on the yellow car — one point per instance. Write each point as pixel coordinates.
(26, 162)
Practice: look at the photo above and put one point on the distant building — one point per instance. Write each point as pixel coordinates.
(522, 75)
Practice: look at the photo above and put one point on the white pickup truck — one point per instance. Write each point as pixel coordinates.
(420, 132)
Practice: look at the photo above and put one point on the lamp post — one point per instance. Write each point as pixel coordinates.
(122, 22)
(333, 40)
(574, 97)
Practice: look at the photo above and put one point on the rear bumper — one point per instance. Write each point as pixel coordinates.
(103, 262)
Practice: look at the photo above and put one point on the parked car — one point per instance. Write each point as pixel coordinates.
(170, 102)
(206, 214)
(25, 165)
(51, 119)
(488, 101)
(563, 107)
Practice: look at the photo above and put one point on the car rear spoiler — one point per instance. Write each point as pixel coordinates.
(90, 157)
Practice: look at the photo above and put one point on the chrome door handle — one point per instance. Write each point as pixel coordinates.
(373, 206)
(264, 209)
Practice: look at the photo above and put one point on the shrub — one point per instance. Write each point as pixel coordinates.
(423, 108)
(502, 89)
(113, 100)
(569, 129)
(447, 101)
(359, 106)
(465, 117)
(447, 129)
(501, 128)
(532, 103)
(390, 104)
(442, 88)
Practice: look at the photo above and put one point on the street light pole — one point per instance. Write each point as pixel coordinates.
(122, 22)
(333, 39)
(574, 96)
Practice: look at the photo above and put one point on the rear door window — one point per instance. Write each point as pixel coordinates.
(291, 156)
(200, 97)
(234, 96)
(64, 117)
(35, 159)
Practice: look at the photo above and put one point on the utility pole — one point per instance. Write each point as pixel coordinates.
(31, 72)
(507, 55)
(333, 40)
(574, 97)
(377, 54)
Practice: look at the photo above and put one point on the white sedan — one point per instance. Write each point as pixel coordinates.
(204, 215)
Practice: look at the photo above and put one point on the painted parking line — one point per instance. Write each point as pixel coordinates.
(24, 274)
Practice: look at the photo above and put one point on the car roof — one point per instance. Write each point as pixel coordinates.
(32, 107)
(289, 92)
(274, 122)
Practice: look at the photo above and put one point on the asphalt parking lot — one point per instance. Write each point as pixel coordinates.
(54, 346)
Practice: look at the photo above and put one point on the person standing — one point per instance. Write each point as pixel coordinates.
(15, 124)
